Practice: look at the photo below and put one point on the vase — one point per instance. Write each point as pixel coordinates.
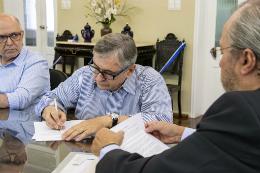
(106, 29)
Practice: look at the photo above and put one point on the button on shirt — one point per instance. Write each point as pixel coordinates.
(145, 91)
(25, 79)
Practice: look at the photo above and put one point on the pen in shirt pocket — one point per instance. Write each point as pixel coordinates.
(56, 107)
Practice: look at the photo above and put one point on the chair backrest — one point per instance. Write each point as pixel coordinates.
(164, 51)
(56, 77)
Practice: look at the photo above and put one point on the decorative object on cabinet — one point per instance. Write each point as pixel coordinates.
(164, 51)
(76, 38)
(65, 36)
(87, 33)
(127, 31)
(106, 29)
(105, 11)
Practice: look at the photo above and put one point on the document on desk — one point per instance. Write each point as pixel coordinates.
(45, 133)
(79, 163)
(136, 140)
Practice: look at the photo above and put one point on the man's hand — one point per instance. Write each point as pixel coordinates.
(87, 128)
(105, 137)
(52, 118)
(166, 132)
(4, 101)
(54, 145)
(85, 146)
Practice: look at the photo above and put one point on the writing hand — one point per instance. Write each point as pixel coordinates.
(166, 132)
(104, 137)
(53, 120)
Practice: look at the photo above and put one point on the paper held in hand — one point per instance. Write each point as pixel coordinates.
(136, 140)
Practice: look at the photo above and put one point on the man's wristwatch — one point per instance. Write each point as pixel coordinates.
(115, 118)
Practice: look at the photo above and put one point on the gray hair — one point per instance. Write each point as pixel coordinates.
(121, 46)
(244, 31)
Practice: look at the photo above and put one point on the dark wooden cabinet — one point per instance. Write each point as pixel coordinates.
(70, 51)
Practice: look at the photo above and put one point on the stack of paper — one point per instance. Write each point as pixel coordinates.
(45, 133)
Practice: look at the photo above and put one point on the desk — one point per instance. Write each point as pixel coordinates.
(71, 50)
(17, 128)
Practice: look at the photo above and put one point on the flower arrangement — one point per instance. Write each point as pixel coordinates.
(104, 11)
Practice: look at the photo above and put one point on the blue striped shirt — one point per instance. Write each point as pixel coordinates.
(25, 80)
(20, 124)
(145, 91)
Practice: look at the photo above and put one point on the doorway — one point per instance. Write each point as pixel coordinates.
(39, 22)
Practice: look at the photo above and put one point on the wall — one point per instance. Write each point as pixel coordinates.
(1, 6)
(156, 21)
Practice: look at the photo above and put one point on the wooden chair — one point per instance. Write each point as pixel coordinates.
(164, 51)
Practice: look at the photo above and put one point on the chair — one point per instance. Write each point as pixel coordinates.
(56, 77)
(164, 50)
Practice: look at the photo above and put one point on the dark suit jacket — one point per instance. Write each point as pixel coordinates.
(227, 140)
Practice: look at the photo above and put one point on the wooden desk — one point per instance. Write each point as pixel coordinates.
(71, 50)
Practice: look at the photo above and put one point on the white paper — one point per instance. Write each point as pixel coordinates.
(45, 133)
(78, 164)
(136, 140)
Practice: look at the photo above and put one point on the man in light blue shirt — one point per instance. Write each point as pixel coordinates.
(24, 74)
(107, 91)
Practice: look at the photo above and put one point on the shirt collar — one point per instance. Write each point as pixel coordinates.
(130, 84)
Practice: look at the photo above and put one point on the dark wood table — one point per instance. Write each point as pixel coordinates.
(71, 50)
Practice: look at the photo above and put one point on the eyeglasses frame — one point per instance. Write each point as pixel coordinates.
(19, 33)
(105, 72)
(214, 49)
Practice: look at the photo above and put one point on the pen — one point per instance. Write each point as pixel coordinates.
(56, 110)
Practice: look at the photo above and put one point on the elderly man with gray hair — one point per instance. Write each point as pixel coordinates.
(228, 136)
(110, 89)
(24, 74)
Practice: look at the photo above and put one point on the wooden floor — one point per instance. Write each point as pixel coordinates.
(186, 122)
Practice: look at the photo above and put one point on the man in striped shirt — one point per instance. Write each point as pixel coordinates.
(24, 74)
(108, 90)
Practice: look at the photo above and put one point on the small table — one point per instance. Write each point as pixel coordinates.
(71, 50)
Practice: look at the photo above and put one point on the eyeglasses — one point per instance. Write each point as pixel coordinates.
(105, 74)
(7, 159)
(13, 36)
(214, 50)
(17, 161)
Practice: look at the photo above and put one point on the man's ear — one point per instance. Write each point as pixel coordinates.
(130, 71)
(22, 34)
(248, 61)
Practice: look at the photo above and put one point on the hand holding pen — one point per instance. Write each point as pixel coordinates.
(54, 116)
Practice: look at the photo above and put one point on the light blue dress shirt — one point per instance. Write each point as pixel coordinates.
(25, 80)
(145, 91)
(20, 124)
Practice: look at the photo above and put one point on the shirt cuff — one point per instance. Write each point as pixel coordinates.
(187, 132)
(13, 101)
(105, 150)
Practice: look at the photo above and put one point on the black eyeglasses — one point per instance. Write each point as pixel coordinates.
(105, 74)
(214, 50)
(13, 36)
(17, 161)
